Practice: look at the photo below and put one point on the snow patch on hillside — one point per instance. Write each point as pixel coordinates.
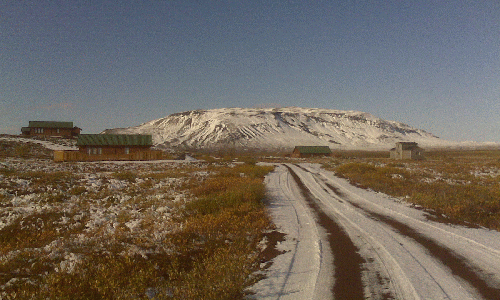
(281, 129)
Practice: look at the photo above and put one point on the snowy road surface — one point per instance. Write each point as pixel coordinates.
(343, 242)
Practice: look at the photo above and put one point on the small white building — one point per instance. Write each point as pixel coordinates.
(407, 150)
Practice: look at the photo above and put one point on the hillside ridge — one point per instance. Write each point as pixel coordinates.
(278, 129)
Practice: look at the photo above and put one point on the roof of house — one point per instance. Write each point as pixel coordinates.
(50, 124)
(114, 140)
(313, 149)
(407, 143)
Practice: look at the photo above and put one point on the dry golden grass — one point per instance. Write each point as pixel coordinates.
(463, 185)
(185, 233)
(23, 150)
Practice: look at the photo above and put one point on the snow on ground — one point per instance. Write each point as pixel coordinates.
(302, 271)
(405, 255)
(88, 202)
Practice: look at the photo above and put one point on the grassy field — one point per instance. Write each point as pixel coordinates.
(129, 230)
(456, 186)
(188, 230)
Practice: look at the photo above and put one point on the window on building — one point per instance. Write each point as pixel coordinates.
(127, 150)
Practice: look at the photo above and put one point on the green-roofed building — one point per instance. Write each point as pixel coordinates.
(51, 128)
(113, 144)
(310, 151)
(104, 147)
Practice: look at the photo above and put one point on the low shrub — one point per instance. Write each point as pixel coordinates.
(6, 171)
(247, 170)
(225, 222)
(23, 150)
(104, 276)
(77, 190)
(36, 230)
(127, 175)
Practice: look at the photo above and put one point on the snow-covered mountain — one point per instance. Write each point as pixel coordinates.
(278, 128)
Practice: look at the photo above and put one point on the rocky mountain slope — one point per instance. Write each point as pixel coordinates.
(278, 129)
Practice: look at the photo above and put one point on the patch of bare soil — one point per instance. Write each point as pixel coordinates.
(271, 251)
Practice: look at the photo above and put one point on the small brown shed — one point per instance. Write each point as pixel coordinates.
(310, 151)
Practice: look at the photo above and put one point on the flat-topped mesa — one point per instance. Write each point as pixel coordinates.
(278, 129)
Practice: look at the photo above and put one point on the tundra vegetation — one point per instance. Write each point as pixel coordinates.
(188, 230)
(453, 186)
(128, 230)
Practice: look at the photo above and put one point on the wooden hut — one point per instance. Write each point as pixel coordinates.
(310, 151)
(110, 144)
(98, 147)
(407, 150)
(51, 128)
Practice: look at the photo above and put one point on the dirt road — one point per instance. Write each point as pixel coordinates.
(343, 242)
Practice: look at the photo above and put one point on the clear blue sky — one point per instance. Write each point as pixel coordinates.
(434, 65)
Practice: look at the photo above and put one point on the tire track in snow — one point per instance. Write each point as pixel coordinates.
(397, 285)
(299, 272)
(457, 264)
(340, 194)
(292, 260)
(347, 261)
